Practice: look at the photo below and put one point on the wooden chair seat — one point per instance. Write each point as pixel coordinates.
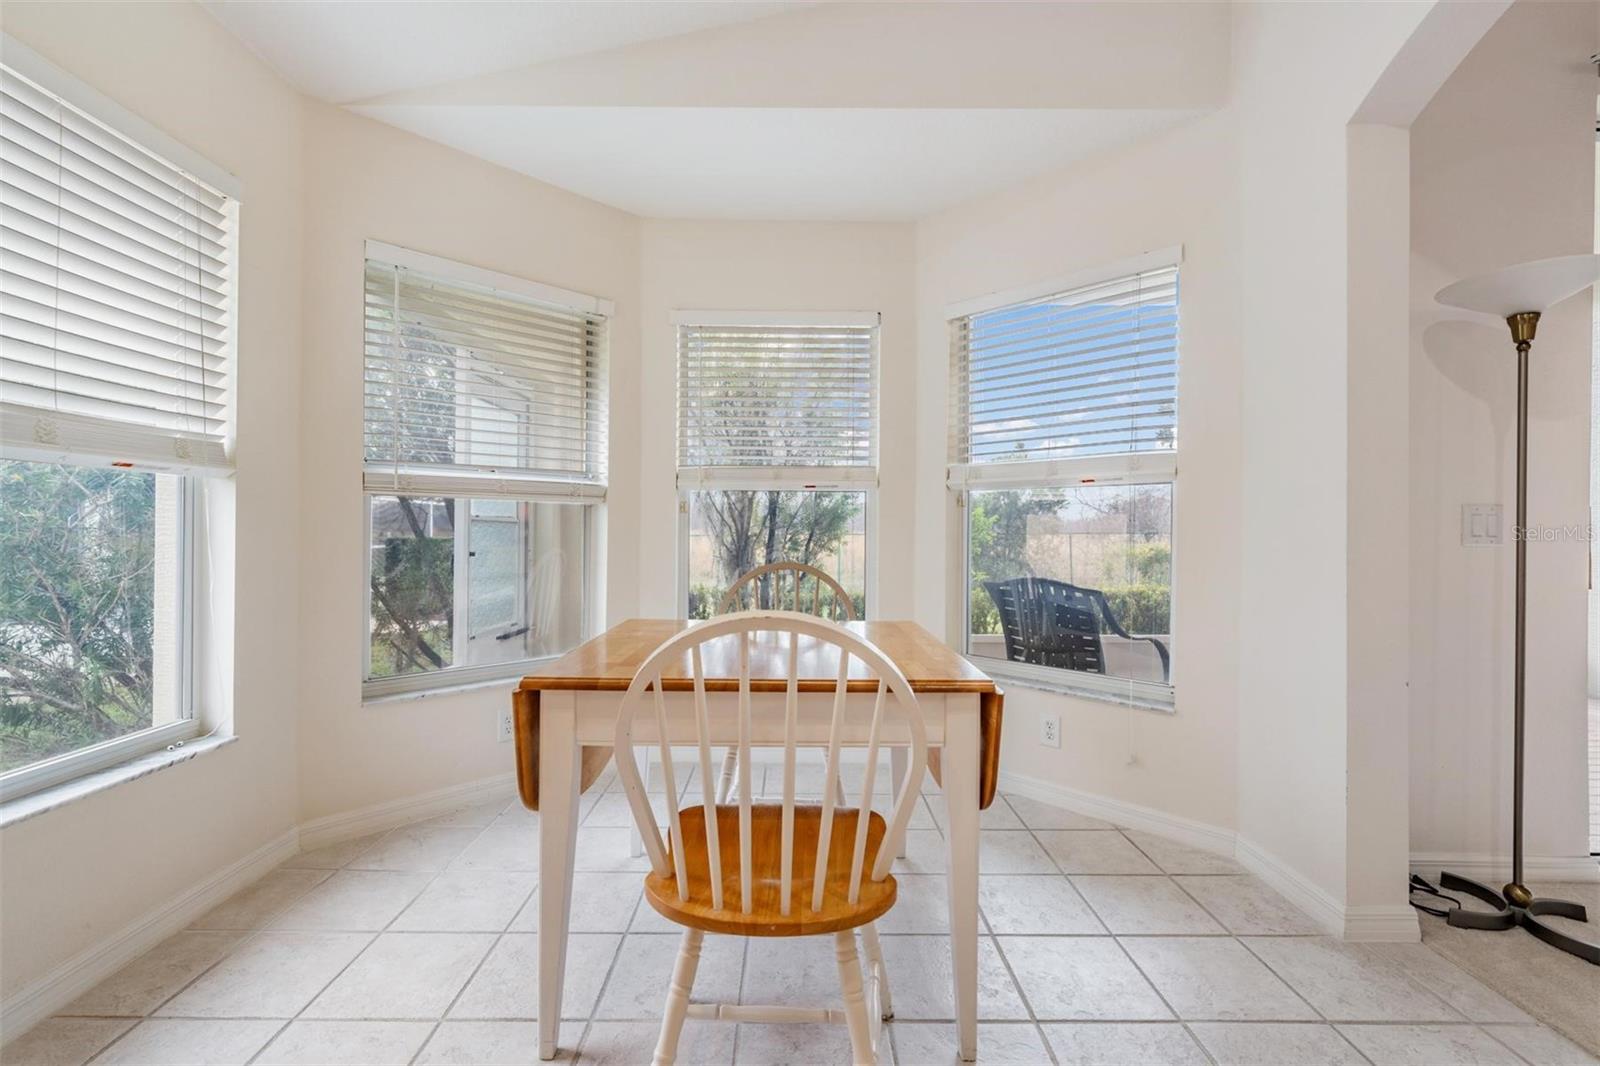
(766, 834)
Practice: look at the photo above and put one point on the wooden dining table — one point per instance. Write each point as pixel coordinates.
(565, 719)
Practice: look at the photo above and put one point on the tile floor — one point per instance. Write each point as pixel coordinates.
(1099, 945)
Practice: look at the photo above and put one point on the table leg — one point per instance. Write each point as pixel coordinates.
(898, 757)
(558, 832)
(960, 766)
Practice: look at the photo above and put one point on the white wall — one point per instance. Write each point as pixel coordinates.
(1502, 171)
(777, 266)
(1178, 188)
(367, 180)
(76, 875)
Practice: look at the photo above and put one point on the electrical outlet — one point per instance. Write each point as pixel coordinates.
(1050, 730)
(502, 726)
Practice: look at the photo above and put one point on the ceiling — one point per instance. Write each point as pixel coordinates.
(343, 50)
(745, 110)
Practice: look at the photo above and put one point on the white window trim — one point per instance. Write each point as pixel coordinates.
(69, 766)
(863, 479)
(451, 270)
(455, 678)
(1126, 468)
(64, 769)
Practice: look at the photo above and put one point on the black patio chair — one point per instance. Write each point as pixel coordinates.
(1052, 623)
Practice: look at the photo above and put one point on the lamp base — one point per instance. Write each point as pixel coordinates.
(1510, 913)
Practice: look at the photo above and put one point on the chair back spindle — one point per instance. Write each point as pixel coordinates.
(766, 883)
(828, 598)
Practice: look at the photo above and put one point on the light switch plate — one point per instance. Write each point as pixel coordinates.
(1482, 525)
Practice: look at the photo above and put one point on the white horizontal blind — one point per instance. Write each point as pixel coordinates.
(1090, 372)
(475, 391)
(778, 395)
(116, 292)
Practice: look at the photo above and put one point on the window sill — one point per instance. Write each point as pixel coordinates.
(1011, 675)
(48, 799)
(454, 688)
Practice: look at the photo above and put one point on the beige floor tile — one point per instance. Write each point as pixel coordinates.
(63, 1041)
(507, 984)
(1122, 1044)
(1145, 906)
(255, 906)
(157, 975)
(1025, 904)
(404, 975)
(601, 903)
(1284, 1044)
(509, 848)
(353, 900)
(468, 901)
(612, 810)
(921, 905)
(801, 972)
(1475, 1000)
(921, 982)
(187, 1042)
(1536, 1043)
(333, 1043)
(1037, 815)
(1435, 1045)
(1246, 906)
(998, 816)
(1089, 851)
(1081, 979)
(1215, 979)
(646, 919)
(1013, 851)
(415, 848)
(702, 1043)
(605, 850)
(792, 1045)
(999, 1043)
(926, 853)
(271, 975)
(1348, 982)
(334, 856)
(637, 987)
(1179, 858)
(492, 1044)
(477, 814)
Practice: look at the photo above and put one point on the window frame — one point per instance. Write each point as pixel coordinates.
(1059, 474)
(68, 766)
(197, 667)
(377, 689)
(503, 484)
(862, 479)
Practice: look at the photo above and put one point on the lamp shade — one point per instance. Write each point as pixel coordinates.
(1532, 286)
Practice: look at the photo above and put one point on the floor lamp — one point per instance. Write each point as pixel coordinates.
(1520, 294)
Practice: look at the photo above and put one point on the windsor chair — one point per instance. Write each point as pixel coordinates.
(772, 870)
(828, 599)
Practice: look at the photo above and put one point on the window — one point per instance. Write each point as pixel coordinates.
(116, 337)
(777, 450)
(485, 461)
(1063, 456)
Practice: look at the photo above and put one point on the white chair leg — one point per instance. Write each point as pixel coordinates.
(635, 841)
(855, 1002)
(729, 777)
(874, 947)
(677, 1008)
(898, 758)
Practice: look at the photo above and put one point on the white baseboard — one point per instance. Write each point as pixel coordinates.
(1202, 835)
(1292, 885)
(1495, 870)
(66, 982)
(347, 825)
(1378, 924)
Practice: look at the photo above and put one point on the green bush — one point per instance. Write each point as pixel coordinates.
(1144, 608)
